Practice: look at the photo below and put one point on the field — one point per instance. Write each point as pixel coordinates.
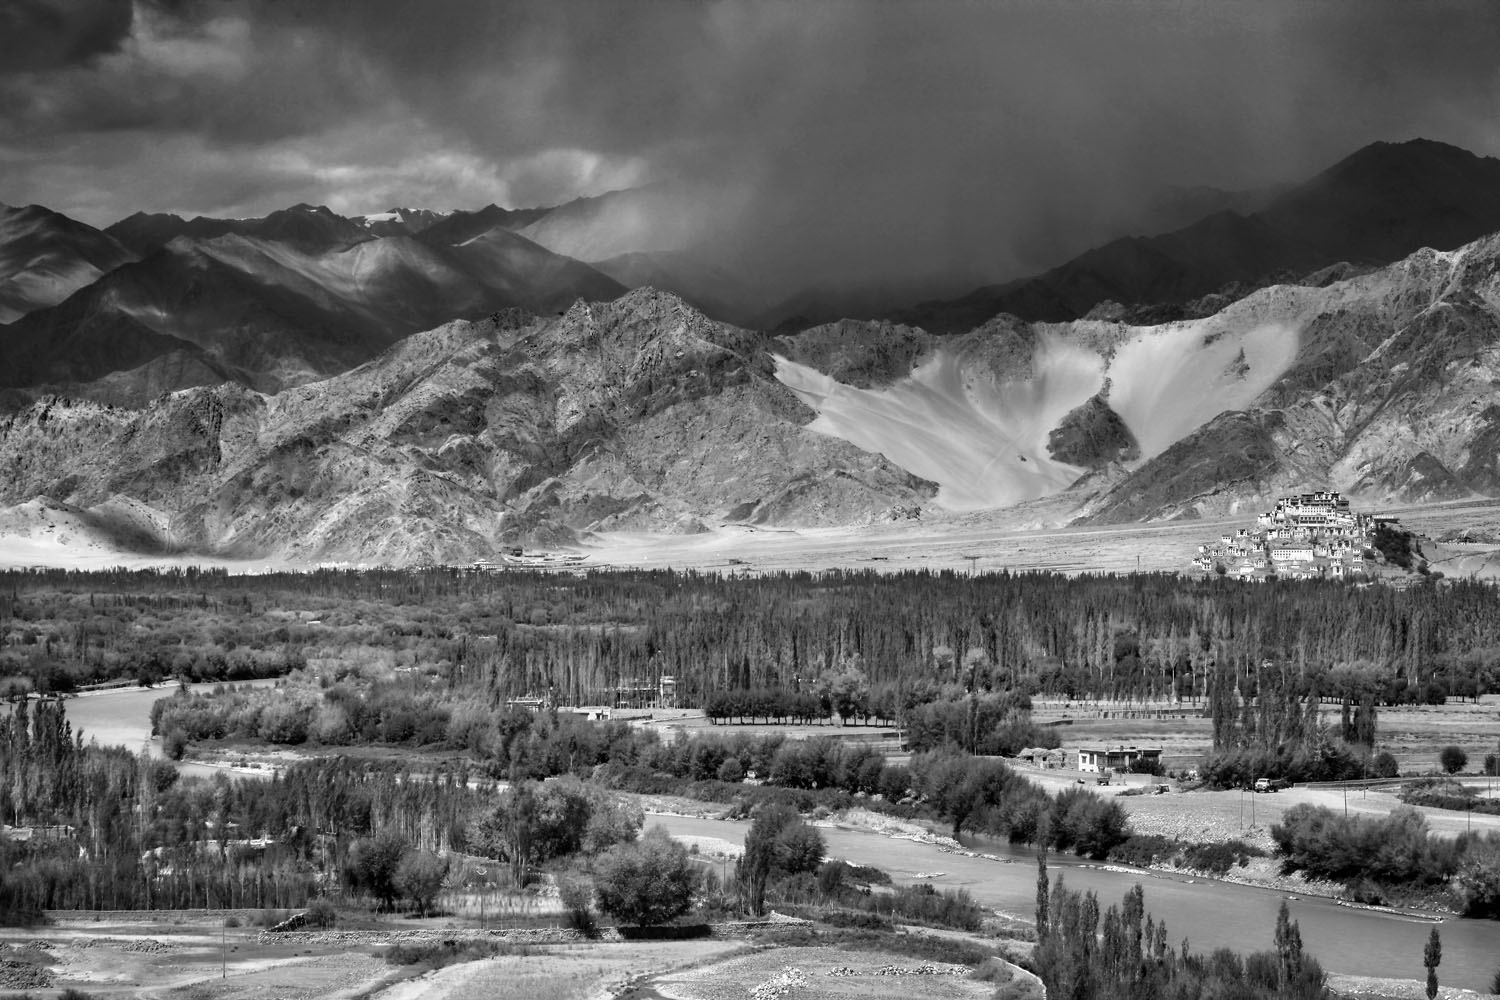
(575, 972)
(187, 959)
(1024, 537)
(821, 974)
(182, 957)
(1414, 734)
(1029, 536)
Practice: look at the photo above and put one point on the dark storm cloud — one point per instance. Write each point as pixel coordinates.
(884, 140)
(45, 34)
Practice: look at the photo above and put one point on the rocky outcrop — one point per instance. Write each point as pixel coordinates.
(1093, 436)
(639, 415)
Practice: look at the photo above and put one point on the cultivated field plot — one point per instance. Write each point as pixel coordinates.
(569, 972)
(1414, 734)
(821, 974)
(141, 961)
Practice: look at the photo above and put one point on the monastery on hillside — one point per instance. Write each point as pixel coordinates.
(1307, 536)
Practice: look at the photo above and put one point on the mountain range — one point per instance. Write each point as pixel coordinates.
(415, 385)
(1381, 203)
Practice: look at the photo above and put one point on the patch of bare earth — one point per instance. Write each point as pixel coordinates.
(822, 974)
(594, 971)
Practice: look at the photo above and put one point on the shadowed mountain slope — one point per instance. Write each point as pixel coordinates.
(638, 414)
(45, 257)
(272, 313)
(1379, 204)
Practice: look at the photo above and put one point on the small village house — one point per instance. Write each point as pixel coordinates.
(1096, 759)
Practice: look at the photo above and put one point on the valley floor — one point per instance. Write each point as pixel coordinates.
(1025, 537)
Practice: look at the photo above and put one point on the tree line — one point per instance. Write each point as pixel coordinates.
(583, 639)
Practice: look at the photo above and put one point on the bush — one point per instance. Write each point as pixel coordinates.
(649, 882)
(831, 878)
(420, 878)
(436, 954)
(1383, 765)
(778, 842)
(1144, 850)
(992, 970)
(322, 913)
(270, 918)
(1391, 850)
(1453, 759)
(577, 899)
(1219, 858)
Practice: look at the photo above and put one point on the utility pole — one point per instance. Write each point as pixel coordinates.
(224, 949)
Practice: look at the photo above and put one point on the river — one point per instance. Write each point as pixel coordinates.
(1209, 914)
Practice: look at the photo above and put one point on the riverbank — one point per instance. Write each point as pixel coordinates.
(1371, 988)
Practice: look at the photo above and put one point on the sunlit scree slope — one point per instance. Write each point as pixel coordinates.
(988, 434)
(1381, 385)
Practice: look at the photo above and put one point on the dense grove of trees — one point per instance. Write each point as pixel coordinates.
(118, 831)
(430, 659)
(1375, 856)
(149, 839)
(579, 638)
(1123, 953)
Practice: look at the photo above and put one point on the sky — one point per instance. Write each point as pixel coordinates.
(874, 140)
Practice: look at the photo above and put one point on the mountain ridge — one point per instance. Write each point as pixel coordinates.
(1380, 203)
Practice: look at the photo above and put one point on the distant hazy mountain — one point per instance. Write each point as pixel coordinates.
(45, 257)
(399, 221)
(309, 227)
(460, 227)
(1383, 202)
(643, 415)
(639, 414)
(273, 311)
(545, 417)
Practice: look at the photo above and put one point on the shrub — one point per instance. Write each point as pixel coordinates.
(1219, 858)
(649, 882)
(831, 878)
(778, 843)
(1146, 765)
(420, 878)
(1383, 765)
(270, 918)
(577, 899)
(322, 913)
(866, 874)
(1391, 850)
(992, 970)
(436, 954)
(1453, 759)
